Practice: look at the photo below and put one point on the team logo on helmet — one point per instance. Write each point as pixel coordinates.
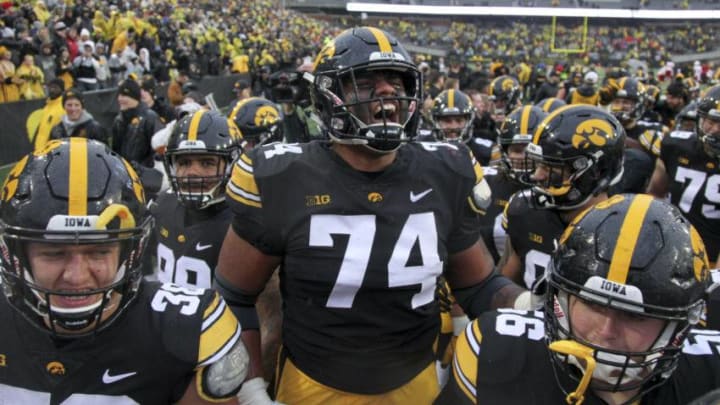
(592, 132)
(700, 259)
(326, 53)
(507, 84)
(266, 115)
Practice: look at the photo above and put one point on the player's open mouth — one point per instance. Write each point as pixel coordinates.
(385, 112)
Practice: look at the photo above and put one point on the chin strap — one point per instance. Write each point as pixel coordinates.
(583, 353)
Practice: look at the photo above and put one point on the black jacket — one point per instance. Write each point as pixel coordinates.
(132, 132)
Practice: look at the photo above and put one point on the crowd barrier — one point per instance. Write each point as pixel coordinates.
(102, 104)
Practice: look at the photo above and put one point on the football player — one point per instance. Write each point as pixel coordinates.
(504, 179)
(688, 171)
(259, 121)
(626, 285)
(362, 227)
(506, 94)
(452, 117)
(628, 106)
(577, 154)
(81, 325)
(190, 219)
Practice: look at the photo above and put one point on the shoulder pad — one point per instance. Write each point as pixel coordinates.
(681, 134)
(483, 142)
(505, 339)
(275, 157)
(457, 157)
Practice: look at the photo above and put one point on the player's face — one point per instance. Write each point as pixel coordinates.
(452, 125)
(622, 104)
(674, 102)
(498, 111)
(73, 109)
(74, 269)
(193, 168)
(551, 176)
(611, 328)
(516, 155)
(710, 126)
(375, 84)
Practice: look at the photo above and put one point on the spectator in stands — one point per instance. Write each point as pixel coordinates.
(85, 67)
(134, 125)
(64, 68)
(77, 122)
(51, 114)
(156, 103)
(47, 61)
(8, 83)
(31, 78)
(586, 92)
(103, 70)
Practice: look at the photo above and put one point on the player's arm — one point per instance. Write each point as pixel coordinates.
(510, 263)
(476, 286)
(658, 186)
(241, 275)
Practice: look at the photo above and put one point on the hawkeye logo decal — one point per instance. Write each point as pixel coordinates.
(266, 115)
(55, 368)
(3, 361)
(507, 84)
(592, 132)
(375, 197)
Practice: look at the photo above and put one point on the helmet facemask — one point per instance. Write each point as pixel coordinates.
(569, 183)
(359, 116)
(614, 370)
(36, 303)
(199, 191)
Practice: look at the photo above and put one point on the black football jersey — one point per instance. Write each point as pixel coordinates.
(694, 185)
(491, 229)
(502, 358)
(149, 355)
(362, 252)
(532, 233)
(188, 241)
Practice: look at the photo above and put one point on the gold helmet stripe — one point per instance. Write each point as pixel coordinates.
(547, 104)
(543, 124)
(628, 238)
(382, 40)
(78, 177)
(194, 124)
(524, 119)
(451, 98)
(621, 85)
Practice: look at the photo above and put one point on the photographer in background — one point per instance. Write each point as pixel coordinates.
(288, 89)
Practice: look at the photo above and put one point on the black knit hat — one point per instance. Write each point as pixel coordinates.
(73, 93)
(130, 88)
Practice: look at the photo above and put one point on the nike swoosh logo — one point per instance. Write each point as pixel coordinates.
(109, 379)
(417, 197)
(200, 247)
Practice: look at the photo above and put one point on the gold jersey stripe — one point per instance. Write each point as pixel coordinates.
(78, 177)
(218, 335)
(194, 124)
(465, 363)
(382, 39)
(628, 238)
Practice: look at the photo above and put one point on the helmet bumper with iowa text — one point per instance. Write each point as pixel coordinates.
(635, 255)
(631, 89)
(579, 151)
(346, 97)
(505, 92)
(708, 108)
(259, 121)
(518, 129)
(452, 104)
(71, 192)
(202, 133)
